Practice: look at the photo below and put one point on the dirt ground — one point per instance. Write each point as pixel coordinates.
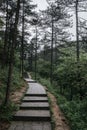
(58, 117)
(16, 98)
(59, 120)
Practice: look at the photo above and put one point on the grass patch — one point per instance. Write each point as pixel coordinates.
(6, 112)
(74, 111)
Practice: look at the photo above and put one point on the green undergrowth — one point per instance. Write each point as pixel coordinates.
(52, 118)
(7, 111)
(17, 81)
(74, 110)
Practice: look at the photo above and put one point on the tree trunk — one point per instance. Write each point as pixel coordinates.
(22, 46)
(77, 34)
(55, 48)
(31, 57)
(51, 68)
(5, 55)
(10, 69)
(36, 56)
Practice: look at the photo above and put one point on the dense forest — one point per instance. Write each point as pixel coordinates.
(40, 43)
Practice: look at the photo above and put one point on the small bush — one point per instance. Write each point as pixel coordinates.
(76, 114)
(17, 81)
(44, 68)
(72, 78)
(75, 110)
(6, 112)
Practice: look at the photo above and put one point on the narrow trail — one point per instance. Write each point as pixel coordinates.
(34, 113)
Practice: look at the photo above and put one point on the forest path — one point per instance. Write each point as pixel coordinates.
(34, 113)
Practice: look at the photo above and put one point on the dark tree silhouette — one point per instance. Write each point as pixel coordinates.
(10, 69)
(22, 45)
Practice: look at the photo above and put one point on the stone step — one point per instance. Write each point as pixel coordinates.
(32, 115)
(35, 106)
(35, 89)
(30, 80)
(38, 95)
(35, 99)
(20, 125)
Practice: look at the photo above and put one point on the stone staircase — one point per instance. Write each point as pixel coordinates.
(34, 108)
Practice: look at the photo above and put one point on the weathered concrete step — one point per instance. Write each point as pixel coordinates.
(38, 95)
(36, 89)
(20, 125)
(35, 99)
(35, 106)
(32, 115)
(30, 80)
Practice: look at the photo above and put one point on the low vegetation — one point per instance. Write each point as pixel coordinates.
(69, 87)
(74, 110)
(6, 111)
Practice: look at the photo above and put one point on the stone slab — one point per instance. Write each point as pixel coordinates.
(32, 115)
(35, 105)
(30, 126)
(29, 80)
(35, 89)
(38, 95)
(35, 99)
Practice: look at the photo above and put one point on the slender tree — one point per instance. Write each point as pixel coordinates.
(36, 55)
(77, 34)
(22, 45)
(10, 69)
(55, 13)
(35, 22)
(51, 72)
(6, 35)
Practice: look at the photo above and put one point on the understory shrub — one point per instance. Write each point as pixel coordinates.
(44, 68)
(6, 112)
(74, 110)
(17, 81)
(72, 79)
